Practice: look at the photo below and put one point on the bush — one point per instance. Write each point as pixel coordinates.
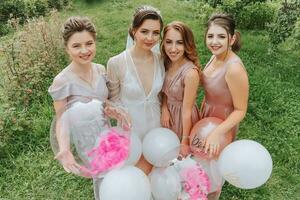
(294, 40)
(251, 14)
(12, 8)
(24, 9)
(284, 23)
(58, 4)
(36, 8)
(256, 16)
(32, 58)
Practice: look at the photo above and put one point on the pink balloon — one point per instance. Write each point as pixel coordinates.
(199, 133)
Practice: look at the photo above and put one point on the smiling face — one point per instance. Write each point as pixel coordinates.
(148, 34)
(218, 40)
(174, 45)
(81, 47)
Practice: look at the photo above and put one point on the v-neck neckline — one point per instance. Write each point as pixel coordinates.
(91, 85)
(138, 77)
(177, 72)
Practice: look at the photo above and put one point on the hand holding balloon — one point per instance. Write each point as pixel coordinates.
(184, 147)
(68, 162)
(205, 141)
(212, 144)
(119, 114)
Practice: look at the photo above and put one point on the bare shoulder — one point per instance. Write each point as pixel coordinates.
(192, 73)
(192, 77)
(236, 69)
(236, 74)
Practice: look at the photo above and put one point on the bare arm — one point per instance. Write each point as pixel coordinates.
(165, 118)
(191, 82)
(63, 139)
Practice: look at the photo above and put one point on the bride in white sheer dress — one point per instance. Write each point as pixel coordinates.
(136, 75)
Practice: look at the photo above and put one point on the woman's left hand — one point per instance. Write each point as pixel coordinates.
(184, 147)
(119, 114)
(184, 150)
(212, 144)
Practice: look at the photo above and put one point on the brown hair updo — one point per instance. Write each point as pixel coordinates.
(227, 22)
(141, 14)
(77, 24)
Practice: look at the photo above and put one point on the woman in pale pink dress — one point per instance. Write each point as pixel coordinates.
(82, 82)
(225, 82)
(179, 109)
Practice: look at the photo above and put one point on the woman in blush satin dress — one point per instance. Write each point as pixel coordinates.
(179, 109)
(225, 82)
(136, 76)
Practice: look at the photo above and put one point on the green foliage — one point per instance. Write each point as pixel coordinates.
(255, 16)
(26, 160)
(204, 11)
(31, 58)
(249, 14)
(294, 39)
(12, 8)
(284, 23)
(24, 9)
(58, 4)
(36, 8)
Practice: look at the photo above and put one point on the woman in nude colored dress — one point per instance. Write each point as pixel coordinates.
(81, 82)
(179, 109)
(225, 82)
(136, 75)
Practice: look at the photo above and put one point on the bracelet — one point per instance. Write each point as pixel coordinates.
(185, 137)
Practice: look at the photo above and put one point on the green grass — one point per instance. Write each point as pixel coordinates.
(27, 168)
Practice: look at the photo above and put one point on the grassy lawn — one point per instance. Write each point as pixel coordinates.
(27, 168)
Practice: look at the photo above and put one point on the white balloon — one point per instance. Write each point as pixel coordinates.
(135, 150)
(165, 183)
(211, 169)
(160, 146)
(127, 183)
(245, 164)
(82, 112)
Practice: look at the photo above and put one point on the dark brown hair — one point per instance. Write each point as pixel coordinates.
(141, 14)
(227, 22)
(190, 51)
(77, 24)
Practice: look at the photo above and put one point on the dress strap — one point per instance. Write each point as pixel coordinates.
(210, 60)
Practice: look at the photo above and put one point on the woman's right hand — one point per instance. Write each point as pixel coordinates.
(68, 162)
(165, 118)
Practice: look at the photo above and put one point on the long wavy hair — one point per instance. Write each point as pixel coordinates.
(190, 51)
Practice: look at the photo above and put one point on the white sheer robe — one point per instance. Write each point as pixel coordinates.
(125, 88)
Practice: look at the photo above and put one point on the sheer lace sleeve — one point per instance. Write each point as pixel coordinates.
(115, 74)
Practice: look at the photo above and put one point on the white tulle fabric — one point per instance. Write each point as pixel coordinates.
(125, 88)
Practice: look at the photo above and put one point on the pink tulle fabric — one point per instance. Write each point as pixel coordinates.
(112, 150)
(195, 182)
